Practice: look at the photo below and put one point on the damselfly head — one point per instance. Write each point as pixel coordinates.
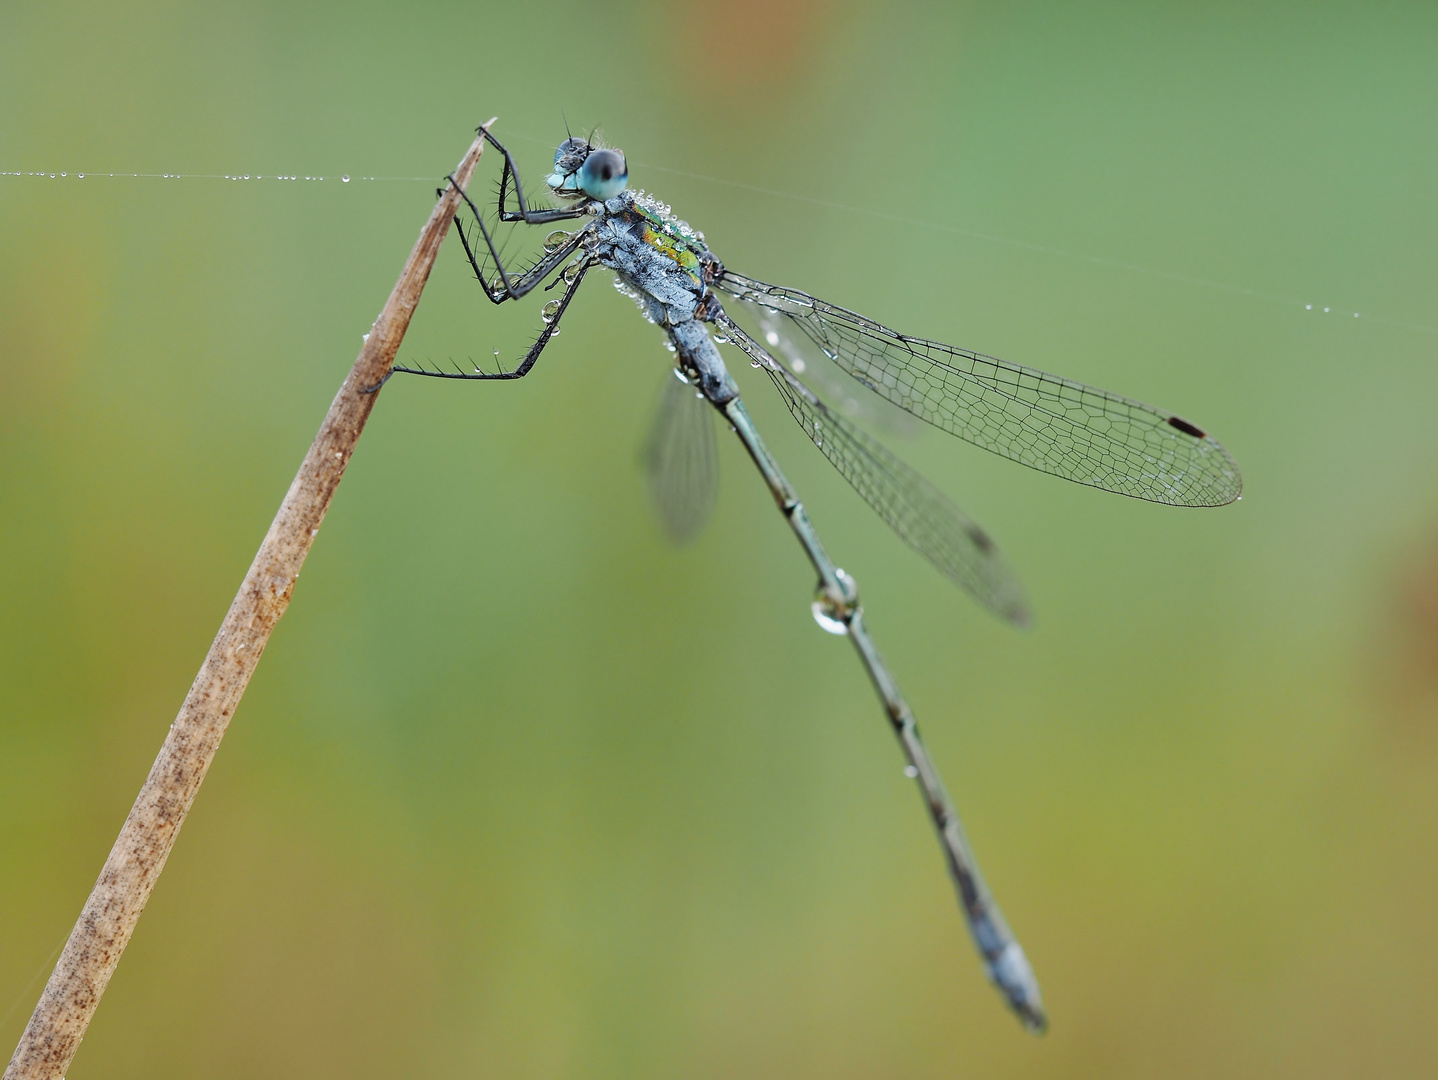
(569, 157)
(582, 169)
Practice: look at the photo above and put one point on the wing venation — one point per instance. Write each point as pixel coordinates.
(1040, 420)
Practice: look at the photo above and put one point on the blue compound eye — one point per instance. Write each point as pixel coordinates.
(603, 174)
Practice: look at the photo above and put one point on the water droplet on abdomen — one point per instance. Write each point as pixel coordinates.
(821, 609)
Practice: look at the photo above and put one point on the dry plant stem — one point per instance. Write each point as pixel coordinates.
(109, 916)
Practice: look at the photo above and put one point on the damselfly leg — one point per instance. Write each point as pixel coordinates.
(553, 312)
(510, 285)
(524, 213)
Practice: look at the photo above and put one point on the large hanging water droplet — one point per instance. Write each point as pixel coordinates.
(833, 613)
(721, 337)
(555, 240)
(549, 312)
(827, 618)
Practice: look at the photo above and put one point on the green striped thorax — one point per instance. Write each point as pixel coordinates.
(669, 236)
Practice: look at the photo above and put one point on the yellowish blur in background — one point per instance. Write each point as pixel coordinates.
(522, 790)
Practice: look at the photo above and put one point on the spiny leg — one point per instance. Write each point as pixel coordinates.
(528, 216)
(838, 603)
(551, 327)
(505, 288)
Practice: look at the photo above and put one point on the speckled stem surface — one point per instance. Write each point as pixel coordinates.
(71, 996)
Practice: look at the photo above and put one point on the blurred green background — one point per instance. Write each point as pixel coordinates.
(521, 790)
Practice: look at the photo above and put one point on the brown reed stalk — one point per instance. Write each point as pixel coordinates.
(73, 993)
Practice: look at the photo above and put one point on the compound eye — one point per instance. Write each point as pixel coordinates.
(607, 165)
(604, 173)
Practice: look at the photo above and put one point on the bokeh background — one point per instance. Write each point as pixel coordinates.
(521, 789)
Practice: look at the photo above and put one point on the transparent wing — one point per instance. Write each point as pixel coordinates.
(921, 514)
(1049, 423)
(681, 460)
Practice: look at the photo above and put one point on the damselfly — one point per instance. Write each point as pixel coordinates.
(1046, 422)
